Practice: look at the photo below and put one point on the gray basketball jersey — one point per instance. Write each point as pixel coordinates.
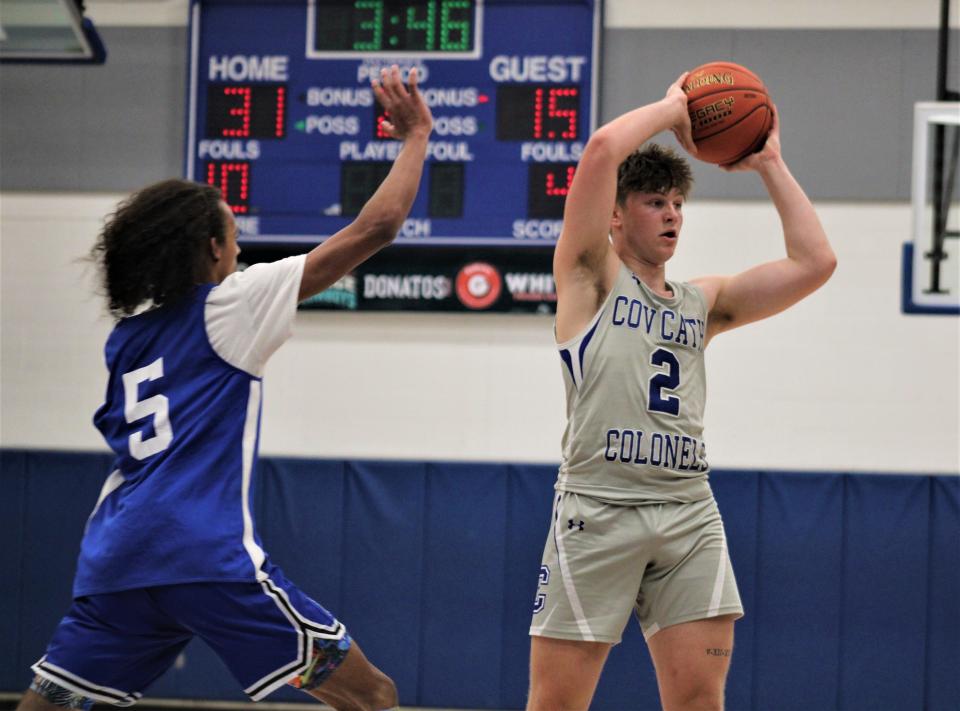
(636, 389)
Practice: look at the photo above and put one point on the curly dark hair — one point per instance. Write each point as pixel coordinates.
(653, 169)
(154, 248)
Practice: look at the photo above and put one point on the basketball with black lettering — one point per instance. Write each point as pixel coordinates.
(730, 111)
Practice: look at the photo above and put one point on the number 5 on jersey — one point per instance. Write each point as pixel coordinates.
(134, 409)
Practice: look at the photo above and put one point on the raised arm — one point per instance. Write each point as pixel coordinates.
(770, 288)
(380, 219)
(584, 265)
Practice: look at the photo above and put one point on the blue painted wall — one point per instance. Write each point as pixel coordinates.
(851, 581)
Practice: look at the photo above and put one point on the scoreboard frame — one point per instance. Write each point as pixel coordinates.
(529, 103)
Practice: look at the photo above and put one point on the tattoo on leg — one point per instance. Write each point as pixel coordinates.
(327, 656)
(716, 652)
(53, 693)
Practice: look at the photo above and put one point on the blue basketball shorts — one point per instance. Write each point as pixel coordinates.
(111, 647)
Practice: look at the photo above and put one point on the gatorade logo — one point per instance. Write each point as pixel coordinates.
(478, 285)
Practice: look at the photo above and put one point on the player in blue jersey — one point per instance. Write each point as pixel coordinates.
(635, 526)
(170, 551)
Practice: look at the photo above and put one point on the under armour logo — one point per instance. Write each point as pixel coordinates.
(571, 523)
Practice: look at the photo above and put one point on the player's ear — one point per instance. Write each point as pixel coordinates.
(215, 249)
(616, 220)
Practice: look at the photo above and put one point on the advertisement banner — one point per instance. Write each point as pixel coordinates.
(453, 279)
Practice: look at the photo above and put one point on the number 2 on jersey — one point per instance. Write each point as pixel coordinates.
(669, 380)
(135, 409)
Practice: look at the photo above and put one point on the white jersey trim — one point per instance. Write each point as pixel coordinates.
(278, 677)
(307, 631)
(568, 585)
(250, 314)
(717, 595)
(111, 484)
(250, 427)
(105, 694)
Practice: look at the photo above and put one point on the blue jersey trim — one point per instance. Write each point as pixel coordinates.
(565, 355)
(585, 342)
(575, 360)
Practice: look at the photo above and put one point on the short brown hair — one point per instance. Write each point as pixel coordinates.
(653, 169)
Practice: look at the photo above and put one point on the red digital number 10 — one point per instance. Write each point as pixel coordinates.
(233, 179)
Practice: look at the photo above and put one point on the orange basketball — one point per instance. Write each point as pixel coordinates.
(730, 111)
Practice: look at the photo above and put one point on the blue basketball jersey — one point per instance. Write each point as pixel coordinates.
(182, 414)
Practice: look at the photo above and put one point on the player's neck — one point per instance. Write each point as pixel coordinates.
(214, 274)
(653, 275)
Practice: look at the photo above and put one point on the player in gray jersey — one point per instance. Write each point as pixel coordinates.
(635, 526)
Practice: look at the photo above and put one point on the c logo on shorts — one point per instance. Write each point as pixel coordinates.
(539, 603)
(541, 599)
(478, 285)
(544, 574)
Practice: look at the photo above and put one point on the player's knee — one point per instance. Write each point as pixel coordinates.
(544, 696)
(705, 700)
(546, 702)
(382, 693)
(377, 693)
(696, 697)
(684, 689)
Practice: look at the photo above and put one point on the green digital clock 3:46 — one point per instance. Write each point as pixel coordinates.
(387, 26)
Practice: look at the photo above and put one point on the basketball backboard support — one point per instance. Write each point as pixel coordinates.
(931, 260)
(50, 31)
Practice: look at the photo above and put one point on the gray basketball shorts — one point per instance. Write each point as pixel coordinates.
(666, 562)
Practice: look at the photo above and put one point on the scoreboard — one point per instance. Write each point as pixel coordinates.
(283, 120)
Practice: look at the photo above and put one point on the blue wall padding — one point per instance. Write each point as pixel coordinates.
(883, 619)
(463, 580)
(943, 604)
(382, 566)
(738, 496)
(13, 521)
(797, 592)
(850, 581)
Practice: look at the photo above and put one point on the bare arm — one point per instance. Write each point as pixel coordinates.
(583, 263)
(768, 289)
(380, 219)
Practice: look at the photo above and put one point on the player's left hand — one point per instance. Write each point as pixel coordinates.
(409, 115)
(681, 127)
(769, 152)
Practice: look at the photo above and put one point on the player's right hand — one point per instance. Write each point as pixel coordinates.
(770, 152)
(682, 129)
(409, 116)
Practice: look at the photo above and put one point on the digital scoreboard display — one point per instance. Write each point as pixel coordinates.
(283, 120)
(395, 26)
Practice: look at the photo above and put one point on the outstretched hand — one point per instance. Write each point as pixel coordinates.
(408, 114)
(681, 127)
(770, 150)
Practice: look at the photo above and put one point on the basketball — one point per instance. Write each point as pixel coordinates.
(730, 111)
